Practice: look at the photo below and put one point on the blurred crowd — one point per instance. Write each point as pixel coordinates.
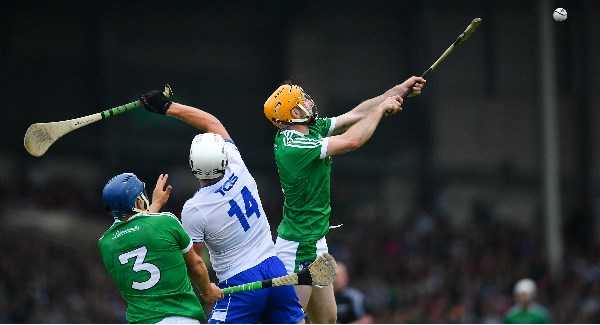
(422, 269)
(48, 280)
(427, 271)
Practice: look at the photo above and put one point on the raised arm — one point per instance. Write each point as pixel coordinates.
(412, 85)
(198, 118)
(156, 102)
(359, 133)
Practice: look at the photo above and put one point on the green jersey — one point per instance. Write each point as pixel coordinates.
(144, 256)
(535, 314)
(305, 176)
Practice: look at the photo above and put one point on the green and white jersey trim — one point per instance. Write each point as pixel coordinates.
(152, 214)
(331, 126)
(302, 142)
(187, 249)
(324, 144)
(298, 141)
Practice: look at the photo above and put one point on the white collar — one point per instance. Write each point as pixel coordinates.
(133, 216)
(294, 131)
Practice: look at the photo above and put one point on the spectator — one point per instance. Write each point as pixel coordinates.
(526, 311)
(350, 301)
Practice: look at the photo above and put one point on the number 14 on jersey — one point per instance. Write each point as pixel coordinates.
(250, 205)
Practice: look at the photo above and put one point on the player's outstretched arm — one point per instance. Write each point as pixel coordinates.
(412, 85)
(359, 133)
(198, 118)
(155, 101)
(199, 276)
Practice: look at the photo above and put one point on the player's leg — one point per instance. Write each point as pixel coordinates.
(321, 307)
(303, 293)
(298, 255)
(287, 252)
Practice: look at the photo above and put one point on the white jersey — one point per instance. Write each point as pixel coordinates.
(229, 219)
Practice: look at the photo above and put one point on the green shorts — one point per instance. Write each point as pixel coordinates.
(298, 255)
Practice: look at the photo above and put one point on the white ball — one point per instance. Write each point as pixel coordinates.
(560, 14)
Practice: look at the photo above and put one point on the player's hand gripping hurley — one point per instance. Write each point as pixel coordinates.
(40, 136)
(321, 272)
(458, 42)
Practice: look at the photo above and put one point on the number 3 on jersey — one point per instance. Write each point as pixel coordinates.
(139, 265)
(250, 205)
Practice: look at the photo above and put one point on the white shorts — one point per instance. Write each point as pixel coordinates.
(298, 255)
(178, 320)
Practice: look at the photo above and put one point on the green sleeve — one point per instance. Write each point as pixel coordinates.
(176, 229)
(323, 126)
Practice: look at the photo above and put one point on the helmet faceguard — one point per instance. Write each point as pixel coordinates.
(309, 107)
(144, 198)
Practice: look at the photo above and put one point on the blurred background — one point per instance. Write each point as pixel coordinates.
(490, 176)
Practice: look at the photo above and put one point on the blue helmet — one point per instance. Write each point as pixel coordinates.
(121, 192)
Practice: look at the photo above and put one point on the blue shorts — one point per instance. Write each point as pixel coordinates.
(270, 305)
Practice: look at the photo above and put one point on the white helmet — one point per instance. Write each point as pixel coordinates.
(525, 286)
(208, 157)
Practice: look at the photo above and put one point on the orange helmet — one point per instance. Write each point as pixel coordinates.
(278, 107)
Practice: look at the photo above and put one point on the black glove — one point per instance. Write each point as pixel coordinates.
(155, 101)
